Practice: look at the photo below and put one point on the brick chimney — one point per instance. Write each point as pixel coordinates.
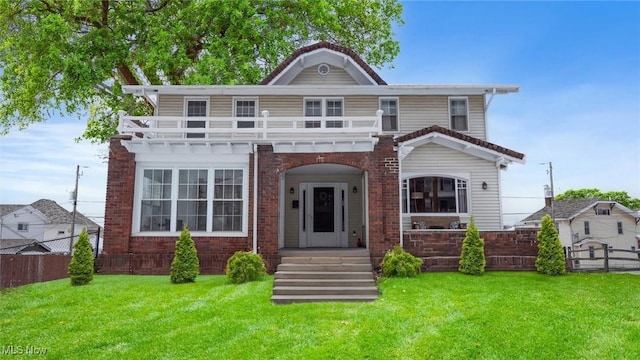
(548, 197)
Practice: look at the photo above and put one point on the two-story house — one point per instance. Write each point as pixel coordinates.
(322, 153)
(42, 226)
(588, 226)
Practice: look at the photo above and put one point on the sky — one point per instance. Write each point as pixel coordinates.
(577, 65)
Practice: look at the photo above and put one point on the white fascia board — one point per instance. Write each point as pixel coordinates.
(316, 90)
(462, 146)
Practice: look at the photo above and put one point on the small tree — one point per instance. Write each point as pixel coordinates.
(550, 259)
(81, 265)
(185, 265)
(472, 259)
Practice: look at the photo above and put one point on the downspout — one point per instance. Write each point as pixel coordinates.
(399, 151)
(255, 198)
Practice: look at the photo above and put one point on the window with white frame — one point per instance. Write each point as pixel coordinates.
(389, 107)
(196, 107)
(435, 194)
(245, 108)
(587, 231)
(23, 227)
(323, 108)
(174, 197)
(459, 113)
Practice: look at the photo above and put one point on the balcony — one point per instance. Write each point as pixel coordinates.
(230, 135)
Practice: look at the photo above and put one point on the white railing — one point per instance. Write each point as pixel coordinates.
(265, 127)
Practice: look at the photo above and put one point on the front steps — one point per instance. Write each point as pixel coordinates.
(311, 275)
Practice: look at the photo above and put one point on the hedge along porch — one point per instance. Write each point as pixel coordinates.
(377, 220)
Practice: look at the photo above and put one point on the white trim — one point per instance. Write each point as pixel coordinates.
(235, 99)
(466, 100)
(319, 90)
(323, 106)
(454, 175)
(186, 101)
(397, 100)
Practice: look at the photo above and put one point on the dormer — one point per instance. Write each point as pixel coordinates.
(323, 63)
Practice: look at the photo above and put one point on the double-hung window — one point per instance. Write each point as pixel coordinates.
(323, 108)
(196, 107)
(459, 113)
(23, 227)
(245, 108)
(204, 199)
(389, 109)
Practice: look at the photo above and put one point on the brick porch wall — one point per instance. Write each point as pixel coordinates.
(503, 250)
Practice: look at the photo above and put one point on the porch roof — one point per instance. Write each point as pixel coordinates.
(458, 141)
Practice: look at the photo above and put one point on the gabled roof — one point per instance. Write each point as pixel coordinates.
(300, 53)
(465, 143)
(55, 213)
(570, 208)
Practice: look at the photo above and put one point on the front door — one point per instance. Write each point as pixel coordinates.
(323, 215)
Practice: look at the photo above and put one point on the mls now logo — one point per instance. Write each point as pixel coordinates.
(23, 350)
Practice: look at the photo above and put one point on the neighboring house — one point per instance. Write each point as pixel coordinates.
(591, 224)
(322, 153)
(40, 227)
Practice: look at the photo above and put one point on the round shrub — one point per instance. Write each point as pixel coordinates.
(185, 266)
(244, 266)
(81, 265)
(399, 263)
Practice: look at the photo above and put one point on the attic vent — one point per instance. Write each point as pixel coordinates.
(323, 69)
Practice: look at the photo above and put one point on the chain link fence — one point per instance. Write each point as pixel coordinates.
(54, 246)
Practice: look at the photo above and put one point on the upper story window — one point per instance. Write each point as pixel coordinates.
(600, 211)
(587, 231)
(196, 107)
(435, 194)
(323, 108)
(245, 107)
(389, 106)
(459, 113)
(23, 227)
(620, 227)
(172, 198)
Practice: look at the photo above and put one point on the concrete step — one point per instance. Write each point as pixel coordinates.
(323, 275)
(325, 282)
(324, 252)
(326, 260)
(288, 299)
(325, 290)
(325, 267)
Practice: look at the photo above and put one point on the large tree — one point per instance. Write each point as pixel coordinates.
(621, 197)
(74, 56)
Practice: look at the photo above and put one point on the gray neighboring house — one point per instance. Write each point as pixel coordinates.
(591, 224)
(40, 227)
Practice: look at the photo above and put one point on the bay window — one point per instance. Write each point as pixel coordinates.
(435, 194)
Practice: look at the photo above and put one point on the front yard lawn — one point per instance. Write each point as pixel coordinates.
(500, 315)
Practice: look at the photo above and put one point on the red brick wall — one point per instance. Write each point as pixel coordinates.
(503, 250)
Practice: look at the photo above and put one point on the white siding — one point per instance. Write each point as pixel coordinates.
(484, 205)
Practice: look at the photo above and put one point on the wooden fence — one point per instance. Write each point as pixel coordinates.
(603, 259)
(17, 270)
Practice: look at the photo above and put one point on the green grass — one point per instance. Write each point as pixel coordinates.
(500, 315)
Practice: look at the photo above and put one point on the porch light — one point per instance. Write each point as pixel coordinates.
(484, 185)
(354, 190)
(292, 191)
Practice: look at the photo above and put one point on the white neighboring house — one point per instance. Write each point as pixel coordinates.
(592, 224)
(40, 227)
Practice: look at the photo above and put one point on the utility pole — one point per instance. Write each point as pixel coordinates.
(553, 198)
(75, 205)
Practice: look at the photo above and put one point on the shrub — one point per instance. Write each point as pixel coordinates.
(244, 266)
(472, 259)
(550, 259)
(185, 266)
(397, 262)
(81, 265)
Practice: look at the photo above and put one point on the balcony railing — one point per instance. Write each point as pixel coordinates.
(264, 128)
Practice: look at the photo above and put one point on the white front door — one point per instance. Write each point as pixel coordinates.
(323, 215)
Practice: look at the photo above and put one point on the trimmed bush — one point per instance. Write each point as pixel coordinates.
(244, 266)
(399, 263)
(185, 266)
(81, 265)
(472, 259)
(550, 259)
